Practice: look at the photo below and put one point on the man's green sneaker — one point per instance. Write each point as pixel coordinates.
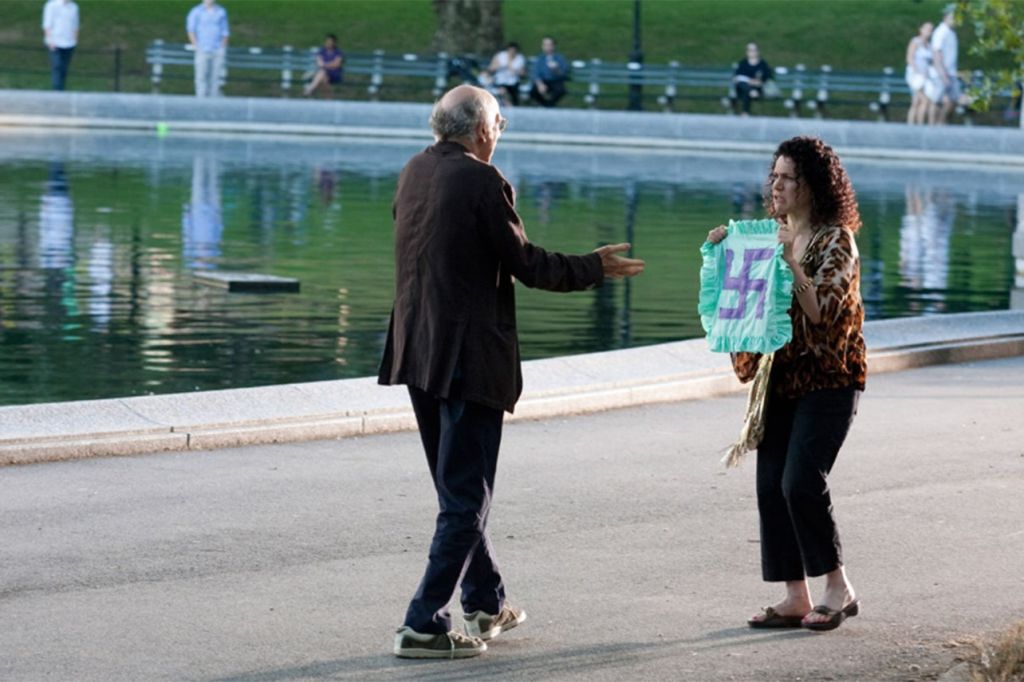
(487, 627)
(412, 644)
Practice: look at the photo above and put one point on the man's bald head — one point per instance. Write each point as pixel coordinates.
(460, 111)
(461, 94)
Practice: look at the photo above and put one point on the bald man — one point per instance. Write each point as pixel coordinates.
(459, 248)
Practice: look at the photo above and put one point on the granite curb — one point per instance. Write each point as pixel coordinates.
(634, 130)
(556, 387)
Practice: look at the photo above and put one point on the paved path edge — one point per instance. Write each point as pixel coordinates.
(556, 387)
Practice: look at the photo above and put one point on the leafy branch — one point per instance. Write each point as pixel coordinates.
(999, 36)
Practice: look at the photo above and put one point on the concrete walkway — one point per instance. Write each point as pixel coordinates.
(633, 551)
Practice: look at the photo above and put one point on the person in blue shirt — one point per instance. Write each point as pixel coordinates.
(329, 60)
(550, 72)
(202, 218)
(207, 27)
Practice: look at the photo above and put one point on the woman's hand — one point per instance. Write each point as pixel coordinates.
(786, 238)
(803, 286)
(718, 234)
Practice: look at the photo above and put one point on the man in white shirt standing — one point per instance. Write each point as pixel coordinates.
(60, 32)
(207, 27)
(945, 90)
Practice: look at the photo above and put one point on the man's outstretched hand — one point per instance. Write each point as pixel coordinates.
(616, 266)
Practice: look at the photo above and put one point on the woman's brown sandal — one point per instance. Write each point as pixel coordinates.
(774, 619)
(835, 618)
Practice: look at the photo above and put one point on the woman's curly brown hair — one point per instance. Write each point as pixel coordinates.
(833, 201)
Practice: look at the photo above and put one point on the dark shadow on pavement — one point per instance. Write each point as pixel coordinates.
(510, 658)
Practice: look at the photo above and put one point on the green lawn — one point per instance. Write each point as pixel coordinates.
(859, 35)
(849, 34)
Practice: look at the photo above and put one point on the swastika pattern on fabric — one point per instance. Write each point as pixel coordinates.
(747, 265)
(743, 284)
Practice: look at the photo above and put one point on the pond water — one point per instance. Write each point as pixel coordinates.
(101, 238)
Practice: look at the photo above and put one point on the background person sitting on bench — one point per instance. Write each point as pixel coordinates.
(329, 60)
(549, 74)
(506, 68)
(750, 76)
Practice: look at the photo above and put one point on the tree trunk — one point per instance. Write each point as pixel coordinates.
(469, 27)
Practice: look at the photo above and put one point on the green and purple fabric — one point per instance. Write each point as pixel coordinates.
(746, 290)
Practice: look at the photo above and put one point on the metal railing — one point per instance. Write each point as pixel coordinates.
(28, 66)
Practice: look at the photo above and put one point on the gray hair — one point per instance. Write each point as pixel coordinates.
(459, 121)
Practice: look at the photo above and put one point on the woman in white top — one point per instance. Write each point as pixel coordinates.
(507, 67)
(919, 58)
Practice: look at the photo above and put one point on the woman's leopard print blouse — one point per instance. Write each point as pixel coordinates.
(830, 354)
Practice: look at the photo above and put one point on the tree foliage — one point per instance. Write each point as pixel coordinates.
(999, 33)
(469, 26)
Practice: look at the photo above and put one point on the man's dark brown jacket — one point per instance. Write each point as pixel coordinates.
(459, 246)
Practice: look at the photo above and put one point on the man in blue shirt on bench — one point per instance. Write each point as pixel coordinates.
(550, 72)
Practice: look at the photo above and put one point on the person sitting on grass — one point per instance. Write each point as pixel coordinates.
(328, 61)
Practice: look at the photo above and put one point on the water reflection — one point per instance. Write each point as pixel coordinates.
(325, 179)
(57, 307)
(202, 221)
(1017, 295)
(56, 221)
(281, 200)
(625, 325)
(114, 270)
(101, 282)
(925, 232)
(547, 194)
(746, 201)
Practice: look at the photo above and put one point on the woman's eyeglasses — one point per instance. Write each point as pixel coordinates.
(773, 177)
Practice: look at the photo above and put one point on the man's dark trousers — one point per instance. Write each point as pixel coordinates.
(746, 92)
(60, 60)
(461, 440)
(556, 91)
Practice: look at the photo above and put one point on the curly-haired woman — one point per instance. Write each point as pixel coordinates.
(815, 382)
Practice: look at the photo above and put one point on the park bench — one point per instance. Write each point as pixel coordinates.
(665, 83)
(287, 66)
(803, 92)
(879, 91)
